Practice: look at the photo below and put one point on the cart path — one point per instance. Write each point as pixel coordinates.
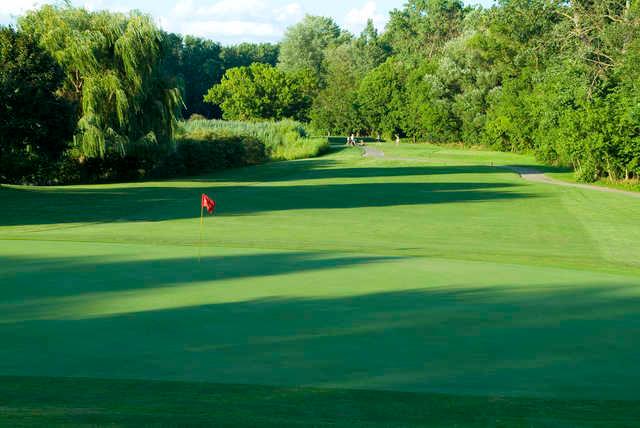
(527, 173)
(370, 152)
(533, 175)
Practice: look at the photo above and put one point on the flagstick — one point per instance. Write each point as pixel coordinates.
(200, 244)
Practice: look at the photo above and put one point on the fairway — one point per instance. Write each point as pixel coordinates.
(431, 280)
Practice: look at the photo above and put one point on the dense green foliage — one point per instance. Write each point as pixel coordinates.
(35, 122)
(191, 155)
(421, 28)
(304, 44)
(194, 64)
(317, 77)
(338, 104)
(261, 91)
(107, 89)
(246, 54)
(112, 67)
(200, 146)
(197, 64)
(550, 77)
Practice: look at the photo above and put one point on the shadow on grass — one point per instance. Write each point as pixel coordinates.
(165, 321)
(59, 277)
(329, 169)
(543, 168)
(153, 203)
(321, 172)
(91, 402)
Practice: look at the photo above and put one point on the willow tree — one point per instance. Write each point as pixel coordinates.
(112, 67)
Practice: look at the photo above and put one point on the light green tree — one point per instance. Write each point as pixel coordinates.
(422, 27)
(336, 106)
(304, 44)
(261, 91)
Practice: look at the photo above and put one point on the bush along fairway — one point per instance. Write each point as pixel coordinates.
(428, 287)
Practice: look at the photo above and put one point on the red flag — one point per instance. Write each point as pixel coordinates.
(208, 203)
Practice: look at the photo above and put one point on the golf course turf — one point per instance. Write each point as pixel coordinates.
(431, 287)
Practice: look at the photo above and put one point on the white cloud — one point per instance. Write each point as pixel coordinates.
(357, 18)
(227, 29)
(17, 7)
(235, 8)
(11, 9)
(222, 9)
(291, 12)
(227, 21)
(183, 8)
(95, 5)
(232, 20)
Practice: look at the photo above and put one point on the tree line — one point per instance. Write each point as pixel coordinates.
(80, 85)
(554, 78)
(557, 78)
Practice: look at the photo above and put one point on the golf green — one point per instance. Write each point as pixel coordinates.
(418, 288)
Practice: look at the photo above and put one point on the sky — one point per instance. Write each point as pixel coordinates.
(234, 21)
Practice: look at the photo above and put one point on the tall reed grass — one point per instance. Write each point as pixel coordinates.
(284, 140)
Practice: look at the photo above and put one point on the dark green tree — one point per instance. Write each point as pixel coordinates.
(427, 110)
(245, 54)
(381, 98)
(202, 67)
(35, 123)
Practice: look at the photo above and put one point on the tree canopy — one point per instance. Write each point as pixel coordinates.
(544, 76)
(112, 69)
(35, 123)
(335, 108)
(304, 44)
(550, 77)
(195, 65)
(261, 91)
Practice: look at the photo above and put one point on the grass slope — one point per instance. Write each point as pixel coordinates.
(338, 284)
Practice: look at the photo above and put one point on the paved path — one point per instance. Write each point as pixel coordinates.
(529, 174)
(372, 152)
(532, 174)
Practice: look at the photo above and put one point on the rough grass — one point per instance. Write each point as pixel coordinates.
(434, 289)
(633, 185)
(284, 140)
